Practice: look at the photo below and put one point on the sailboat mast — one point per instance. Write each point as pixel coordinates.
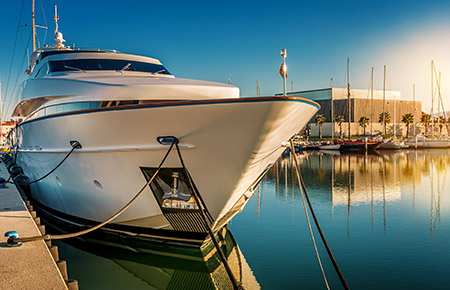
(33, 26)
(332, 111)
(371, 104)
(384, 99)
(414, 101)
(348, 98)
(432, 101)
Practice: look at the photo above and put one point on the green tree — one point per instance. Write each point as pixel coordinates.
(339, 120)
(425, 120)
(408, 119)
(441, 124)
(363, 122)
(320, 119)
(387, 120)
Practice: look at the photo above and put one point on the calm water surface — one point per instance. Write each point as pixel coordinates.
(386, 218)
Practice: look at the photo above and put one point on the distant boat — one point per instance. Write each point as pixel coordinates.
(392, 145)
(358, 146)
(423, 142)
(330, 147)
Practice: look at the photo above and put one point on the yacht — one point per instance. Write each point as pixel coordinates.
(118, 108)
(423, 142)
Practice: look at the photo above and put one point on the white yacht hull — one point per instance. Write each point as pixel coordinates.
(431, 143)
(226, 145)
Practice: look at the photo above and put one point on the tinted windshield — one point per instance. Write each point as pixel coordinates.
(105, 64)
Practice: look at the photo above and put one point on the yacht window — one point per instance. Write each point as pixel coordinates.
(80, 106)
(106, 64)
(42, 71)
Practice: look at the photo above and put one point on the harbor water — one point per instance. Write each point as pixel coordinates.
(386, 218)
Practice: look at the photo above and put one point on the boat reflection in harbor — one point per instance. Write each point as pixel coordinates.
(365, 179)
(99, 263)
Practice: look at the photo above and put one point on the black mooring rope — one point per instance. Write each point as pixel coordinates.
(75, 145)
(12, 240)
(322, 236)
(196, 194)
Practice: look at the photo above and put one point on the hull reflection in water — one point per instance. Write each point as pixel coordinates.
(121, 264)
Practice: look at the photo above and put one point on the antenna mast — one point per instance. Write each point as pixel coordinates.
(59, 40)
(33, 26)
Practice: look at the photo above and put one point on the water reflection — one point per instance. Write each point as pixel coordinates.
(144, 265)
(352, 180)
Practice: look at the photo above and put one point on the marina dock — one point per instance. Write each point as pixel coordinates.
(32, 265)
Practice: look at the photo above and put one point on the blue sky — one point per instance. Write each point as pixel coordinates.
(241, 40)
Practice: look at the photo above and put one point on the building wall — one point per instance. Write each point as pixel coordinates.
(361, 104)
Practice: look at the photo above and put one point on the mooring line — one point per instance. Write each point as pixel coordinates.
(309, 225)
(196, 194)
(330, 254)
(12, 240)
(75, 145)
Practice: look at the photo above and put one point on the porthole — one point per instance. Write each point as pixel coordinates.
(98, 185)
(58, 181)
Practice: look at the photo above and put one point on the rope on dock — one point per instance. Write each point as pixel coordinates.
(330, 254)
(13, 240)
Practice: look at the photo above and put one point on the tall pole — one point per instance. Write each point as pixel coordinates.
(332, 111)
(292, 88)
(283, 54)
(257, 89)
(348, 98)
(33, 26)
(395, 120)
(414, 101)
(438, 102)
(371, 104)
(432, 101)
(384, 99)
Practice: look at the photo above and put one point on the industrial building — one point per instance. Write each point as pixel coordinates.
(362, 104)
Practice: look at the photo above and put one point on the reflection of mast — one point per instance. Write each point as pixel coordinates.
(333, 173)
(371, 191)
(384, 194)
(259, 199)
(414, 179)
(278, 180)
(432, 199)
(292, 187)
(286, 178)
(439, 196)
(349, 201)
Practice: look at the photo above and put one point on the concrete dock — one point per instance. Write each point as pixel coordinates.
(30, 266)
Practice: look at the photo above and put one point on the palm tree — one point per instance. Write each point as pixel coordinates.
(441, 124)
(320, 119)
(339, 120)
(387, 119)
(363, 122)
(408, 119)
(425, 120)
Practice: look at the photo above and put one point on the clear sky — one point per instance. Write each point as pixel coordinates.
(241, 40)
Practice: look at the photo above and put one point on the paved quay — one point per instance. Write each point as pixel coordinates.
(31, 265)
